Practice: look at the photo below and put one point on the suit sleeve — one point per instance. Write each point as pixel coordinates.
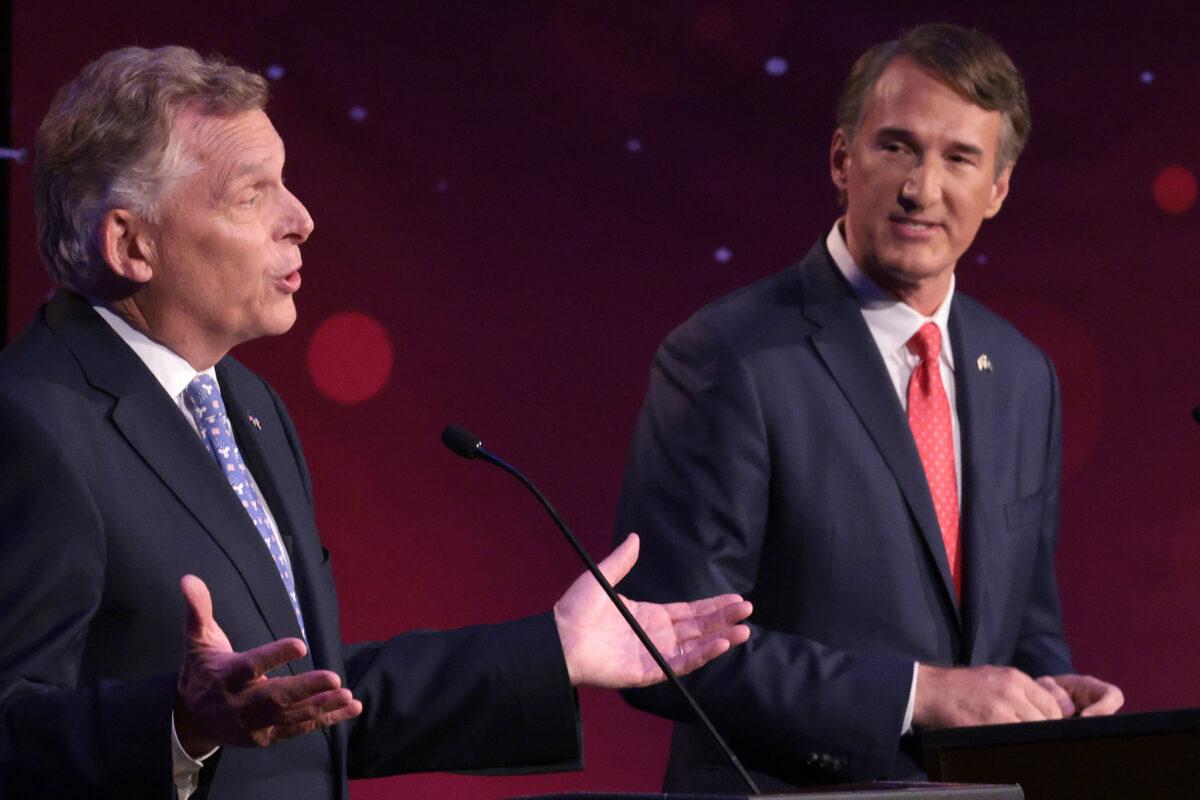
(1041, 647)
(59, 738)
(488, 698)
(698, 488)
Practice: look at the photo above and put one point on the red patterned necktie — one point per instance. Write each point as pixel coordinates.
(929, 418)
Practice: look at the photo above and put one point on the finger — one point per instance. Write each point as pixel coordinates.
(1111, 699)
(698, 654)
(265, 703)
(199, 607)
(1041, 704)
(316, 707)
(696, 608)
(254, 663)
(1060, 696)
(349, 711)
(618, 563)
(718, 621)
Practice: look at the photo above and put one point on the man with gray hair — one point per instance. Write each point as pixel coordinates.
(870, 456)
(147, 478)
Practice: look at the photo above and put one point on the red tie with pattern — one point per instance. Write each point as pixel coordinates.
(929, 418)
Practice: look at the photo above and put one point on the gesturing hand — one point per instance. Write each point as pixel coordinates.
(226, 698)
(601, 650)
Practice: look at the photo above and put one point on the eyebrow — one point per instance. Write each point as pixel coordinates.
(908, 137)
(231, 178)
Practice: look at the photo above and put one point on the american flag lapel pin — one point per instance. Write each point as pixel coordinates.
(984, 363)
(254, 421)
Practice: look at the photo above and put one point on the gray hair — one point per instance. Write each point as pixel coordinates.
(107, 143)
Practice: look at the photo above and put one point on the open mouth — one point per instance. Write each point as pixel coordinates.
(291, 281)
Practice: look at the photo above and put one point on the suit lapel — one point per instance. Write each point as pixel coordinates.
(975, 401)
(264, 449)
(845, 345)
(154, 426)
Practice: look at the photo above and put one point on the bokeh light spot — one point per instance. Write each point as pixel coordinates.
(275, 72)
(350, 357)
(358, 113)
(776, 66)
(1147, 77)
(634, 145)
(722, 255)
(1175, 189)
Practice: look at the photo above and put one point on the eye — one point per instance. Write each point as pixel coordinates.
(249, 201)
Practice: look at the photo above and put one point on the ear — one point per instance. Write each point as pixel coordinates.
(126, 245)
(999, 192)
(839, 154)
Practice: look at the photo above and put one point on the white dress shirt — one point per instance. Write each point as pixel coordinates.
(892, 323)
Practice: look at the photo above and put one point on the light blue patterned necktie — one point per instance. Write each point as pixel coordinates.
(203, 397)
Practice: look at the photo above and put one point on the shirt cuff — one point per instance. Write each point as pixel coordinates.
(184, 768)
(908, 712)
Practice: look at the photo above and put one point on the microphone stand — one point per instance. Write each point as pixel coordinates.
(469, 446)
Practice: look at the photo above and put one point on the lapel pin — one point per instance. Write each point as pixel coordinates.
(254, 420)
(984, 363)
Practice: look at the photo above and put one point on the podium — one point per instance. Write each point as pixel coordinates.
(884, 790)
(1128, 756)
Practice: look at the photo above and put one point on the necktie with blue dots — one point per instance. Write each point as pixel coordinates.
(203, 398)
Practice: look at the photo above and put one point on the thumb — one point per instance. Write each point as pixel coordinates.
(618, 563)
(199, 607)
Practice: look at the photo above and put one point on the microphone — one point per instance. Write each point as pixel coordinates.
(469, 446)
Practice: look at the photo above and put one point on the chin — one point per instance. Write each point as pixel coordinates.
(280, 319)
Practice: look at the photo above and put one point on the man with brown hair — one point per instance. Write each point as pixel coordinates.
(869, 456)
(147, 477)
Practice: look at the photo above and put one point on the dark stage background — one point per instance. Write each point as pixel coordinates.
(516, 201)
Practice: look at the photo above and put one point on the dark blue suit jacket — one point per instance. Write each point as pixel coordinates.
(773, 458)
(107, 497)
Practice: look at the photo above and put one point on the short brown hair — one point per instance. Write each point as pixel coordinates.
(970, 62)
(106, 143)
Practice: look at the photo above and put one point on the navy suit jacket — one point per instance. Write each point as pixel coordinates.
(773, 458)
(108, 497)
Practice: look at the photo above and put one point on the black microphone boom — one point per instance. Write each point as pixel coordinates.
(468, 445)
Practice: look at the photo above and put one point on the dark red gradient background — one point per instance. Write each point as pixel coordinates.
(522, 262)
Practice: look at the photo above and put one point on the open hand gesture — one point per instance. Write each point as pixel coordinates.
(601, 650)
(226, 698)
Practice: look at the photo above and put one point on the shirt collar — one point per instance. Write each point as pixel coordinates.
(169, 368)
(891, 322)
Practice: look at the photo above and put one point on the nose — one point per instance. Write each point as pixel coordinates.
(922, 188)
(297, 222)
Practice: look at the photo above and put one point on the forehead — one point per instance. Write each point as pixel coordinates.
(909, 97)
(226, 142)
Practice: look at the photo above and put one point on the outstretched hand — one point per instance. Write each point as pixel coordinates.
(601, 650)
(226, 698)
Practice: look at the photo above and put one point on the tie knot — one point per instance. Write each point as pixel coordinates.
(926, 343)
(203, 393)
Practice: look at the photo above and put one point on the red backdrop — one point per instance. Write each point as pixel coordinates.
(516, 202)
